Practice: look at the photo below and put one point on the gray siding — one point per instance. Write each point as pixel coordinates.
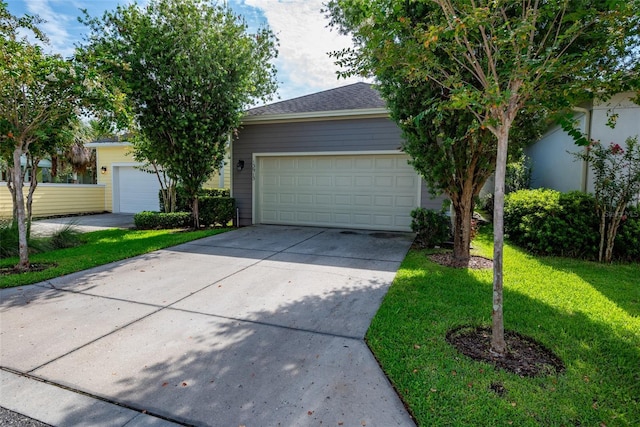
(351, 135)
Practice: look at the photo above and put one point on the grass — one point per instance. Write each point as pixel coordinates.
(587, 313)
(101, 247)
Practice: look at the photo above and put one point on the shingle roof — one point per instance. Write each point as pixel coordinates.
(357, 96)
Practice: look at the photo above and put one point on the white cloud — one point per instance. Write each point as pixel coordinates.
(303, 64)
(55, 27)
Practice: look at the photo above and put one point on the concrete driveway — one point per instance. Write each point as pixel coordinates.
(261, 326)
(84, 223)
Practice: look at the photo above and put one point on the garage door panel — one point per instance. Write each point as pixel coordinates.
(135, 190)
(361, 191)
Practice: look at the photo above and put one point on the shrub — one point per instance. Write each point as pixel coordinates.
(66, 237)
(216, 210)
(518, 175)
(548, 222)
(147, 220)
(9, 241)
(182, 201)
(432, 228)
(627, 246)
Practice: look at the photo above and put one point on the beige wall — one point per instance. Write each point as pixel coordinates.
(58, 199)
(107, 155)
(554, 166)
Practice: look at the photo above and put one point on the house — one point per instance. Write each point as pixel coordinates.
(128, 189)
(553, 165)
(331, 158)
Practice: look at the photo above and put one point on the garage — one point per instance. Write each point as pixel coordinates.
(365, 191)
(331, 159)
(134, 190)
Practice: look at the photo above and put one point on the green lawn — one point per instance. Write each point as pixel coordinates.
(587, 313)
(101, 247)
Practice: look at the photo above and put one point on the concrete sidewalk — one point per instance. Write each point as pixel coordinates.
(261, 326)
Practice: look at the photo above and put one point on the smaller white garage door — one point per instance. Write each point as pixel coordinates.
(134, 190)
(351, 191)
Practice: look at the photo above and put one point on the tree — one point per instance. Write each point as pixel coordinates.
(452, 152)
(493, 59)
(616, 184)
(188, 70)
(38, 95)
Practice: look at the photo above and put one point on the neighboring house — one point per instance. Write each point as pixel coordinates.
(129, 189)
(331, 159)
(553, 165)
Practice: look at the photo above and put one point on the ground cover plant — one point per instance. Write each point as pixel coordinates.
(587, 313)
(100, 247)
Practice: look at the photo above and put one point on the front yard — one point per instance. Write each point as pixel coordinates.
(586, 313)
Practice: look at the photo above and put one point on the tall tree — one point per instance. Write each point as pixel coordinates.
(38, 95)
(495, 58)
(188, 69)
(452, 152)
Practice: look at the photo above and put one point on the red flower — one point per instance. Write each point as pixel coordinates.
(616, 149)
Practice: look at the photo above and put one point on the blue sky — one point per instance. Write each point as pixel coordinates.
(303, 64)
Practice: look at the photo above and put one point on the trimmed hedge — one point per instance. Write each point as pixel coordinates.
(182, 201)
(548, 222)
(216, 210)
(147, 220)
(215, 205)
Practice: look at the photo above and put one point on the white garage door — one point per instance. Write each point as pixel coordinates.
(352, 191)
(134, 190)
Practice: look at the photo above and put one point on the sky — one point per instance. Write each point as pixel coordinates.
(303, 64)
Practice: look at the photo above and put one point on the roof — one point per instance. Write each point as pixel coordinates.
(357, 96)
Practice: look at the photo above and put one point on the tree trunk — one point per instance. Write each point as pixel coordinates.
(463, 209)
(33, 183)
(12, 191)
(498, 345)
(17, 177)
(613, 231)
(196, 213)
(603, 226)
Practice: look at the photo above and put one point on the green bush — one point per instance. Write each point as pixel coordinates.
(216, 210)
(548, 222)
(627, 244)
(147, 220)
(432, 228)
(182, 201)
(66, 237)
(9, 246)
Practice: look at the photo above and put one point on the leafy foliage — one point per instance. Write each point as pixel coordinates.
(66, 237)
(40, 96)
(9, 241)
(549, 222)
(432, 228)
(616, 182)
(188, 69)
(147, 220)
(496, 59)
(217, 210)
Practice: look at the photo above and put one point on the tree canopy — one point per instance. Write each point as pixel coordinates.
(494, 59)
(188, 70)
(40, 95)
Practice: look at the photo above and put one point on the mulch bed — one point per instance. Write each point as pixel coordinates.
(6, 271)
(475, 262)
(525, 356)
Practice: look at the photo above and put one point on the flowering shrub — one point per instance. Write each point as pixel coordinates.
(617, 183)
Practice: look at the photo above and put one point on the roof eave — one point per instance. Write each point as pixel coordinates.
(107, 144)
(317, 115)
